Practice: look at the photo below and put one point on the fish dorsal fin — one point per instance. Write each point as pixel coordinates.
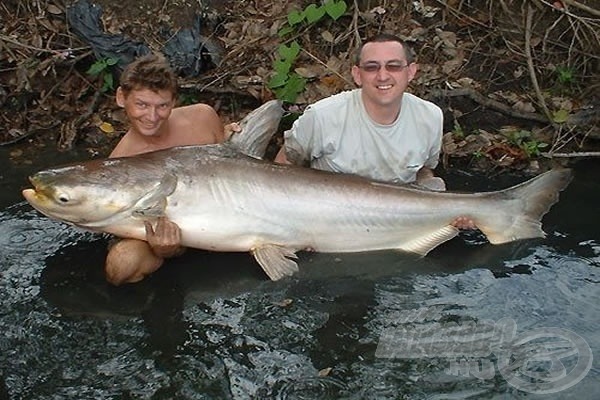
(153, 203)
(424, 244)
(275, 260)
(257, 129)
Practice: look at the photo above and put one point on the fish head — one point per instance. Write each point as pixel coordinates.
(96, 193)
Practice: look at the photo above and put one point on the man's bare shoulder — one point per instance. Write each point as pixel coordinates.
(196, 124)
(196, 111)
(125, 147)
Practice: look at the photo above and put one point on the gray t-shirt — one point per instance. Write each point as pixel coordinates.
(336, 134)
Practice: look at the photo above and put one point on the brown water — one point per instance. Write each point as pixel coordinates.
(366, 326)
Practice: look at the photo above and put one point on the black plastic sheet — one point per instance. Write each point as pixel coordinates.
(188, 52)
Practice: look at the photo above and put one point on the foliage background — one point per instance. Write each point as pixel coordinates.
(515, 78)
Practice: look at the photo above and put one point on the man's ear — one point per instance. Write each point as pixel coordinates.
(412, 71)
(120, 97)
(356, 75)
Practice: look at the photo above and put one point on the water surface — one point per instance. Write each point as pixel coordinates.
(210, 326)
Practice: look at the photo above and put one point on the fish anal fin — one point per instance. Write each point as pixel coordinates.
(424, 244)
(276, 260)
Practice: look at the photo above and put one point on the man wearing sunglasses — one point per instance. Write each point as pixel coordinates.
(378, 131)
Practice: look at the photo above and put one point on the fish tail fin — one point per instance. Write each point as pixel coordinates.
(528, 203)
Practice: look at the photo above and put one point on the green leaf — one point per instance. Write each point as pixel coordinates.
(282, 66)
(278, 80)
(286, 95)
(295, 17)
(561, 116)
(96, 68)
(108, 82)
(335, 9)
(296, 83)
(289, 53)
(314, 13)
(285, 30)
(111, 61)
(289, 93)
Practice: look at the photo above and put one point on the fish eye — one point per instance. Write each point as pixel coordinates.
(63, 198)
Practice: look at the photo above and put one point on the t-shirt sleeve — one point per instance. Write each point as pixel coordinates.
(299, 140)
(436, 143)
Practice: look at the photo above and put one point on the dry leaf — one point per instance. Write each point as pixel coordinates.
(327, 36)
(524, 106)
(107, 127)
(307, 73)
(52, 9)
(378, 10)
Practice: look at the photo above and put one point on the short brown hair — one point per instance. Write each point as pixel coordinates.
(387, 37)
(151, 71)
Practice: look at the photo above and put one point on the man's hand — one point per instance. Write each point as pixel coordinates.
(165, 238)
(425, 178)
(463, 223)
(230, 129)
(432, 183)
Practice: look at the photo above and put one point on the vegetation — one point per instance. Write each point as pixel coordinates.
(530, 69)
(102, 69)
(288, 84)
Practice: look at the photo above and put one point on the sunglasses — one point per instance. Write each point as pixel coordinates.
(389, 67)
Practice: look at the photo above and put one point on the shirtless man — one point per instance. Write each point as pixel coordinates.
(147, 93)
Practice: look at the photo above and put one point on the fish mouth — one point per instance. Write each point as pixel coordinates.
(29, 194)
(43, 202)
(36, 182)
(36, 199)
(33, 195)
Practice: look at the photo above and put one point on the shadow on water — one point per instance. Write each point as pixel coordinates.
(73, 282)
(211, 326)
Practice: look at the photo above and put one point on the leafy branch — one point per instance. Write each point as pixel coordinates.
(286, 83)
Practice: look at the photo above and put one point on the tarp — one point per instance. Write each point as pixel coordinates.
(188, 52)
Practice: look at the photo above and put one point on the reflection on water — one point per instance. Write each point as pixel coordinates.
(210, 326)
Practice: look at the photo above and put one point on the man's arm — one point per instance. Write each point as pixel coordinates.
(209, 121)
(427, 179)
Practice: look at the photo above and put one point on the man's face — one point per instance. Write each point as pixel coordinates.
(383, 73)
(146, 109)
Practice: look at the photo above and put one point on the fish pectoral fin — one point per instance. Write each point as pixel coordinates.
(153, 203)
(154, 210)
(424, 244)
(275, 260)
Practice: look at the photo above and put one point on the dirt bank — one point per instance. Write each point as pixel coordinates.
(515, 79)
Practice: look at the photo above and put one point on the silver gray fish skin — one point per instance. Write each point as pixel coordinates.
(226, 201)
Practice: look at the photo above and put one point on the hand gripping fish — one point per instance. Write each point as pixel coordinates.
(225, 198)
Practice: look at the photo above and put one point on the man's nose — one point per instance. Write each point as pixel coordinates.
(382, 73)
(152, 114)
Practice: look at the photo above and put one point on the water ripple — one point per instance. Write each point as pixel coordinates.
(24, 232)
(311, 388)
